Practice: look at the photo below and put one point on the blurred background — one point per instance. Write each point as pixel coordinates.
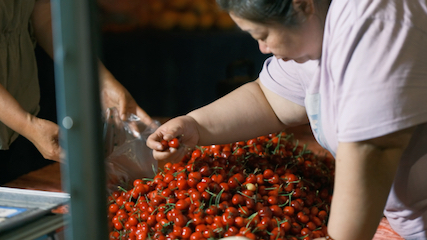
(172, 55)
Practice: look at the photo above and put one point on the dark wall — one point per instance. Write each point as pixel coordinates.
(168, 73)
(47, 85)
(171, 73)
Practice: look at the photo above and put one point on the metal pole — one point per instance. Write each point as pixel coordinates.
(79, 117)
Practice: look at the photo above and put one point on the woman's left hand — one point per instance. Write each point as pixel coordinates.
(114, 94)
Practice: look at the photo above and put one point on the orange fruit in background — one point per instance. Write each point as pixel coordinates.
(178, 4)
(206, 20)
(200, 6)
(187, 20)
(166, 20)
(116, 6)
(156, 5)
(143, 15)
(143, 20)
(166, 14)
(224, 21)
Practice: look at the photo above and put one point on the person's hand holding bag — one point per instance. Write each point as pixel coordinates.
(184, 128)
(126, 152)
(114, 94)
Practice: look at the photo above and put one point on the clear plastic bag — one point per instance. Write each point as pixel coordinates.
(127, 155)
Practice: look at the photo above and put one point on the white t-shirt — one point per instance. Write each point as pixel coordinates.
(370, 81)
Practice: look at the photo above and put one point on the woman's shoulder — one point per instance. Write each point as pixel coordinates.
(352, 12)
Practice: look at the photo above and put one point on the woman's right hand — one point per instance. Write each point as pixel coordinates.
(184, 128)
(44, 135)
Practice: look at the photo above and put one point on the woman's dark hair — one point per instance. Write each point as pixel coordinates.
(266, 11)
(262, 11)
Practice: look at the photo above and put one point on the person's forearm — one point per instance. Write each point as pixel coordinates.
(364, 175)
(243, 114)
(12, 114)
(105, 76)
(42, 23)
(42, 133)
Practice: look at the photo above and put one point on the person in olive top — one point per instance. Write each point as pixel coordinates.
(23, 24)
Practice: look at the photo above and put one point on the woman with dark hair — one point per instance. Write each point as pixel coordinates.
(356, 71)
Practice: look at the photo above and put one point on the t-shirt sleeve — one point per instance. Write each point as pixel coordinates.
(283, 79)
(380, 74)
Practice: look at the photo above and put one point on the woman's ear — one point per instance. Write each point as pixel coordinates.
(305, 7)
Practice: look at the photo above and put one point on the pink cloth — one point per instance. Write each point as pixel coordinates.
(384, 232)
